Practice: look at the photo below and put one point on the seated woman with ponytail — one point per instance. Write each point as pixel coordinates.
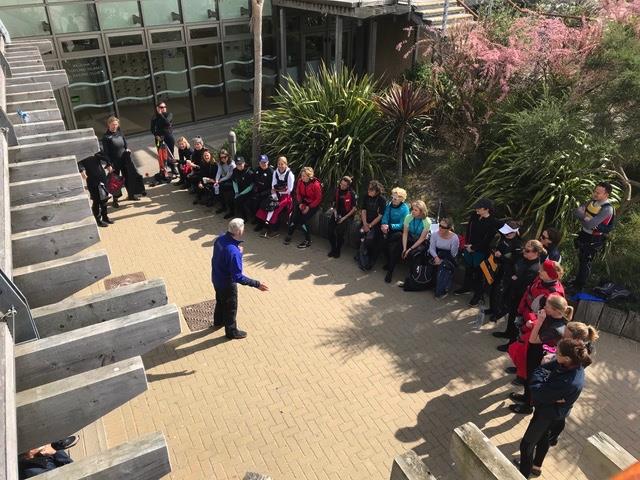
(555, 387)
(546, 330)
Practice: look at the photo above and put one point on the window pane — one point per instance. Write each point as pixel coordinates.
(89, 91)
(269, 69)
(207, 32)
(160, 12)
(73, 17)
(118, 15)
(17, 2)
(266, 8)
(69, 46)
(234, 9)
(26, 21)
(125, 40)
(240, 29)
(199, 10)
(238, 70)
(164, 37)
(170, 74)
(132, 85)
(208, 88)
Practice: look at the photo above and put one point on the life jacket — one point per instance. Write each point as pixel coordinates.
(282, 184)
(347, 200)
(592, 209)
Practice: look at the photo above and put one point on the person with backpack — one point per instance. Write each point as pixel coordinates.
(344, 209)
(597, 219)
(371, 212)
(308, 198)
(443, 249)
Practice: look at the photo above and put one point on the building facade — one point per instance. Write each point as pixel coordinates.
(122, 56)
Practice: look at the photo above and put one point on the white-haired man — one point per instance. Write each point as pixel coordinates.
(226, 274)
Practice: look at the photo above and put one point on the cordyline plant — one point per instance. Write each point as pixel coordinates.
(406, 107)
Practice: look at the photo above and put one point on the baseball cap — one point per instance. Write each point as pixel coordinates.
(484, 203)
(240, 160)
(506, 229)
(264, 159)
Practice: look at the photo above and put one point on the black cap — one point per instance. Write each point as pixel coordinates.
(240, 160)
(484, 203)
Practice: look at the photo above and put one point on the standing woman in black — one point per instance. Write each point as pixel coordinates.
(114, 145)
(162, 130)
(92, 170)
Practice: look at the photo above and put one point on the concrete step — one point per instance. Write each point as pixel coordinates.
(27, 87)
(42, 46)
(81, 147)
(57, 136)
(27, 69)
(37, 128)
(49, 282)
(23, 63)
(26, 96)
(51, 243)
(39, 190)
(32, 104)
(49, 212)
(57, 78)
(45, 168)
(428, 4)
(37, 116)
(439, 11)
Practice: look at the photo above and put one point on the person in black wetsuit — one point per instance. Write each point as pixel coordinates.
(162, 130)
(371, 212)
(184, 154)
(262, 178)
(344, 209)
(92, 170)
(242, 182)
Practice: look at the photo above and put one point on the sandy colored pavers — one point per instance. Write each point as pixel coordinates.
(340, 371)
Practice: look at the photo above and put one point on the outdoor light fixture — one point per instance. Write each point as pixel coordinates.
(212, 14)
(244, 11)
(135, 19)
(45, 26)
(175, 17)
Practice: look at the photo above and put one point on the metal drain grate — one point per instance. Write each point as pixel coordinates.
(121, 281)
(199, 315)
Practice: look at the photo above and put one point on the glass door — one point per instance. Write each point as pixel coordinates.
(208, 84)
(314, 52)
(172, 84)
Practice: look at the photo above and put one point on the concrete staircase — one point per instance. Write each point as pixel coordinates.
(438, 13)
(84, 359)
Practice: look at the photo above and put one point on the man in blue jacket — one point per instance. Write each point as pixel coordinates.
(226, 274)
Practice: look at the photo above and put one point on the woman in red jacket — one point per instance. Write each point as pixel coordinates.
(308, 198)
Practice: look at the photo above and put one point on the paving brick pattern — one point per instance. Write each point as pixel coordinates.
(340, 372)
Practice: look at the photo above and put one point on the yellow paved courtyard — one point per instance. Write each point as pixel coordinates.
(340, 371)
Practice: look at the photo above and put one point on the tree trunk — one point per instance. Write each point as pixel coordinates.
(256, 23)
(400, 151)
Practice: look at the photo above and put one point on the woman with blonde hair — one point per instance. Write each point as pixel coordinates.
(415, 231)
(546, 330)
(392, 226)
(185, 153)
(308, 199)
(280, 202)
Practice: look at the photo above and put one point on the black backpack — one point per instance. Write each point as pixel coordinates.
(420, 277)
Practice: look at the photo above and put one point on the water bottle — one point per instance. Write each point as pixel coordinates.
(480, 317)
(24, 116)
(216, 189)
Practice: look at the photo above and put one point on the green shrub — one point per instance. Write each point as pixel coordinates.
(244, 140)
(328, 122)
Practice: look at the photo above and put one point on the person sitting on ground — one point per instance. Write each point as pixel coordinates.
(206, 175)
(550, 239)
(184, 154)
(242, 181)
(481, 229)
(392, 227)
(262, 179)
(507, 251)
(223, 185)
(444, 245)
(545, 331)
(193, 177)
(280, 202)
(415, 233)
(48, 457)
(308, 199)
(526, 270)
(92, 170)
(342, 212)
(372, 210)
(555, 387)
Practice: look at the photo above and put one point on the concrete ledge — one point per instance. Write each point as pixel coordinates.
(84, 349)
(34, 95)
(476, 458)
(50, 243)
(74, 313)
(602, 457)
(32, 104)
(52, 281)
(57, 78)
(146, 458)
(42, 46)
(70, 143)
(37, 116)
(46, 168)
(19, 63)
(8, 434)
(28, 87)
(631, 328)
(63, 135)
(41, 189)
(409, 466)
(35, 128)
(49, 213)
(61, 408)
(27, 69)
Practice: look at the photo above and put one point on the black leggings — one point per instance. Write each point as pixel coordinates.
(337, 232)
(535, 354)
(299, 219)
(393, 249)
(535, 443)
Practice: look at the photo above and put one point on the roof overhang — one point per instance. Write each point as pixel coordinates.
(346, 8)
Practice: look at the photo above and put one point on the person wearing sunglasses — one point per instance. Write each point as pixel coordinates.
(550, 239)
(162, 130)
(443, 248)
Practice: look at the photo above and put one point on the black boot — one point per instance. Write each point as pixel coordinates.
(106, 219)
(101, 223)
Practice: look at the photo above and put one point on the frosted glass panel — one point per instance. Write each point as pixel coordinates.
(119, 15)
(199, 10)
(234, 9)
(160, 12)
(25, 21)
(73, 18)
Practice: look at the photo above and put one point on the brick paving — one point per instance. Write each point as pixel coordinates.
(340, 372)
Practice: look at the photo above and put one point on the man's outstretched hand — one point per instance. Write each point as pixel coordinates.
(263, 288)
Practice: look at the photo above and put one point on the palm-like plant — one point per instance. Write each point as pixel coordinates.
(328, 122)
(406, 107)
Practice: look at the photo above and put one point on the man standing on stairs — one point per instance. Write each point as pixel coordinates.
(92, 170)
